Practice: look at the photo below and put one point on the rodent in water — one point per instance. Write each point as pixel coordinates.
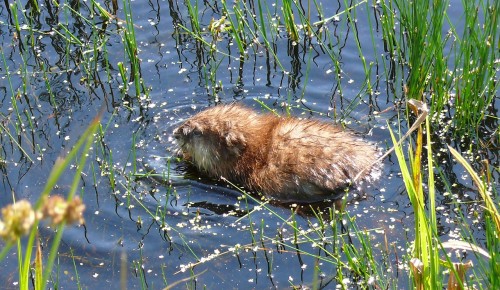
(286, 158)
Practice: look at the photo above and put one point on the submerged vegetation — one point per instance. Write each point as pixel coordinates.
(417, 63)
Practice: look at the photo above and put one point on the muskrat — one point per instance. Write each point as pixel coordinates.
(285, 158)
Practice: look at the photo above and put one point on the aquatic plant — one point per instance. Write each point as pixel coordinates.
(22, 218)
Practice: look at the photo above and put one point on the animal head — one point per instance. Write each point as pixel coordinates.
(210, 142)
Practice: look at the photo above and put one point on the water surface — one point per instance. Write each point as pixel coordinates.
(161, 226)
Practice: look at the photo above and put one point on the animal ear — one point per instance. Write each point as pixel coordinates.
(185, 128)
(235, 142)
(193, 128)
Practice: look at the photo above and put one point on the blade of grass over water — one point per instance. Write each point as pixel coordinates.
(259, 29)
(482, 188)
(426, 275)
(129, 39)
(25, 253)
(426, 261)
(193, 17)
(235, 28)
(476, 86)
(415, 18)
(83, 144)
(14, 10)
(75, 268)
(462, 81)
(342, 245)
(289, 21)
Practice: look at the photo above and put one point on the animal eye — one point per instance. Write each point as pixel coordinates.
(196, 132)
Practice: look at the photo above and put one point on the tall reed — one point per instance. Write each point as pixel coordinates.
(425, 266)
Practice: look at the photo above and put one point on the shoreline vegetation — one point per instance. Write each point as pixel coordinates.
(447, 63)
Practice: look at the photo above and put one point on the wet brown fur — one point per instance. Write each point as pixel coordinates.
(284, 157)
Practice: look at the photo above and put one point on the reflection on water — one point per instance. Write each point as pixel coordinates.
(164, 223)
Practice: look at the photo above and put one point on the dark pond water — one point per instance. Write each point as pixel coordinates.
(158, 228)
